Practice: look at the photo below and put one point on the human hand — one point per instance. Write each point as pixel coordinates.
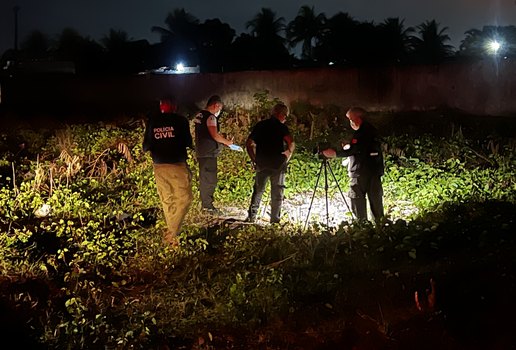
(287, 154)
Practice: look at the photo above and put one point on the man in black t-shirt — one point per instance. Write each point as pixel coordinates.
(365, 167)
(208, 143)
(270, 146)
(167, 135)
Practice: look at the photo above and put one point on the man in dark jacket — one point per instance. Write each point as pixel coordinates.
(167, 135)
(270, 146)
(365, 167)
(208, 143)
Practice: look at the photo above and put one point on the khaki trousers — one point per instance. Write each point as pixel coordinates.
(174, 182)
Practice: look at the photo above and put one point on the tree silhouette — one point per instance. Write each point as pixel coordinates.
(86, 53)
(364, 45)
(115, 40)
(36, 45)
(179, 24)
(124, 55)
(430, 46)
(306, 28)
(265, 46)
(265, 25)
(394, 40)
(215, 40)
(476, 43)
(179, 39)
(336, 40)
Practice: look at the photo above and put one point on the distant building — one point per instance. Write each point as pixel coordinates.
(176, 70)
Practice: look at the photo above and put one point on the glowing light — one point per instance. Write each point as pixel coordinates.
(180, 67)
(494, 46)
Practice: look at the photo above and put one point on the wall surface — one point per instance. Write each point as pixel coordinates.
(481, 88)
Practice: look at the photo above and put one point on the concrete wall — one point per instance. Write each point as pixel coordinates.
(482, 88)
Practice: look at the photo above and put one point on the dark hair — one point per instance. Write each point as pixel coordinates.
(214, 99)
(280, 108)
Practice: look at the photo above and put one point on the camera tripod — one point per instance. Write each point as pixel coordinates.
(325, 168)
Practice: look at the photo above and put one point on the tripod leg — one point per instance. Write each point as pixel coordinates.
(343, 198)
(341, 193)
(313, 195)
(326, 165)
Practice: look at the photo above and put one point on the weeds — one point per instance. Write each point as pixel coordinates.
(108, 282)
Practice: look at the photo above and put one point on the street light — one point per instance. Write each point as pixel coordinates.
(180, 67)
(494, 46)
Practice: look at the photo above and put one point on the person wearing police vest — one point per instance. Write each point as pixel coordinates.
(208, 144)
(365, 166)
(167, 136)
(270, 146)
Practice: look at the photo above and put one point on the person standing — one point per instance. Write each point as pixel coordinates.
(270, 146)
(167, 136)
(208, 141)
(365, 166)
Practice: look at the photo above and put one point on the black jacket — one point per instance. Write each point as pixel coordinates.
(167, 136)
(365, 152)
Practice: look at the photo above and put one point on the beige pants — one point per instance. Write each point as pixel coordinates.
(174, 182)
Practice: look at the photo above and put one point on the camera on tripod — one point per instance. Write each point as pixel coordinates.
(321, 146)
(324, 170)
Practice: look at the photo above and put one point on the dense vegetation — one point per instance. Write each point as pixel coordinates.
(83, 266)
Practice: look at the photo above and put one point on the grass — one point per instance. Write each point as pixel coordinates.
(94, 273)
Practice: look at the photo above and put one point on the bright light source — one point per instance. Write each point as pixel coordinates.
(494, 46)
(331, 64)
(180, 67)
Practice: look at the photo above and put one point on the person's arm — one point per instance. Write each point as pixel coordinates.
(147, 136)
(250, 146)
(357, 145)
(188, 138)
(212, 129)
(291, 146)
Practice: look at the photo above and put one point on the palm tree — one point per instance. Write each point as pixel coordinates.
(394, 39)
(179, 40)
(307, 28)
(215, 40)
(265, 25)
(179, 24)
(337, 38)
(267, 44)
(430, 46)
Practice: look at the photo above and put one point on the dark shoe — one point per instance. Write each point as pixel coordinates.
(275, 220)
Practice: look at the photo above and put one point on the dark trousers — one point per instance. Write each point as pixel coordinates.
(362, 186)
(277, 179)
(207, 180)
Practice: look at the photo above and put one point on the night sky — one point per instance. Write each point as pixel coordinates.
(94, 18)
